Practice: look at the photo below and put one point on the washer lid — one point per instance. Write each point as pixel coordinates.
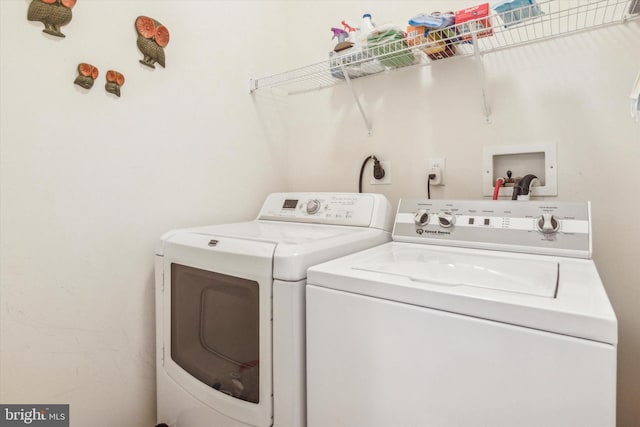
(522, 276)
(549, 293)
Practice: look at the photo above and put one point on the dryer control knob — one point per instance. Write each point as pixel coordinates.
(421, 217)
(547, 224)
(446, 219)
(313, 206)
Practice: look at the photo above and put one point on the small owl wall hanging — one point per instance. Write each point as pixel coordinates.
(152, 38)
(52, 13)
(87, 73)
(114, 81)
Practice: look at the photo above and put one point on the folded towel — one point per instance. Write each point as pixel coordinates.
(433, 20)
(391, 48)
(376, 38)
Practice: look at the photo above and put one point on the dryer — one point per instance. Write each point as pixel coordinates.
(478, 313)
(230, 307)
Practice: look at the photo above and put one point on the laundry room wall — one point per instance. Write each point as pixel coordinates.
(89, 182)
(572, 91)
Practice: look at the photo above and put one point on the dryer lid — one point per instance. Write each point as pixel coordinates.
(298, 246)
(532, 277)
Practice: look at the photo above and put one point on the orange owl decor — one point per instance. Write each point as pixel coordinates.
(114, 81)
(52, 13)
(87, 73)
(152, 38)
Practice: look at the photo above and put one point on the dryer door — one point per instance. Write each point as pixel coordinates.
(217, 322)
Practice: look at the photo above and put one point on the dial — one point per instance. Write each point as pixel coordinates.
(421, 217)
(547, 223)
(313, 206)
(446, 219)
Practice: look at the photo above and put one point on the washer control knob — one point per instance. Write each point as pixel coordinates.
(421, 217)
(547, 223)
(446, 219)
(313, 206)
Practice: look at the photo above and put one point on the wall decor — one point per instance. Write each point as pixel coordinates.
(152, 38)
(87, 73)
(52, 13)
(114, 81)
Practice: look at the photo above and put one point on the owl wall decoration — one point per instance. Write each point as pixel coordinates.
(87, 74)
(114, 81)
(152, 38)
(52, 13)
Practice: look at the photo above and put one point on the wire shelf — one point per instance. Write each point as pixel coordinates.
(541, 21)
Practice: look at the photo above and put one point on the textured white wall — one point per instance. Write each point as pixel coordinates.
(90, 181)
(572, 91)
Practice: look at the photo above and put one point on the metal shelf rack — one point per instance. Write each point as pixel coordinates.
(541, 21)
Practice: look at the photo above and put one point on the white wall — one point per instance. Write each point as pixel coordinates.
(572, 91)
(89, 181)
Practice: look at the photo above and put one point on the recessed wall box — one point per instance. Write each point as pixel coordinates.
(537, 159)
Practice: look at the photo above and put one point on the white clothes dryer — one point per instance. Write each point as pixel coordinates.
(478, 313)
(230, 307)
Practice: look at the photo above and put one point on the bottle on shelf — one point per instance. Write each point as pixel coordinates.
(386, 44)
(370, 66)
(345, 56)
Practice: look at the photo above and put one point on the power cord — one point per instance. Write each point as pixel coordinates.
(429, 178)
(378, 171)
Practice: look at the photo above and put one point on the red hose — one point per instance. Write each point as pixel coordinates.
(496, 188)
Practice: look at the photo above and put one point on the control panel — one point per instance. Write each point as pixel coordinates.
(541, 227)
(354, 209)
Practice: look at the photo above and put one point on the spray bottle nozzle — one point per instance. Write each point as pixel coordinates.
(348, 27)
(340, 34)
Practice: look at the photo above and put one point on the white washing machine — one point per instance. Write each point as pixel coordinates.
(478, 313)
(230, 307)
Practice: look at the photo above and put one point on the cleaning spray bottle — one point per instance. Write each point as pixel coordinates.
(342, 36)
(347, 53)
(357, 51)
(335, 57)
(348, 28)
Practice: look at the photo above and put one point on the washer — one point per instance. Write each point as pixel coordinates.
(230, 307)
(478, 313)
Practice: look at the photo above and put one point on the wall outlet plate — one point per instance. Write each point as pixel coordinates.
(386, 179)
(437, 162)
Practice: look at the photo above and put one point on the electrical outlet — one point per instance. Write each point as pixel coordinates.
(437, 167)
(386, 179)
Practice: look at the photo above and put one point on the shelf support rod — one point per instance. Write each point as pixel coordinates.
(483, 83)
(253, 85)
(355, 97)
